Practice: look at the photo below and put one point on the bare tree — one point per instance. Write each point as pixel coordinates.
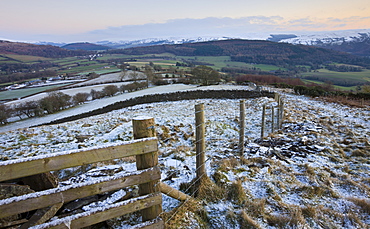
(110, 90)
(149, 74)
(123, 75)
(96, 94)
(29, 109)
(4, 114)
(54, 102)
(80, 98)
(134, 75)
(206, 75)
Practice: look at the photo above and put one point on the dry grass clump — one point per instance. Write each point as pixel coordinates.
(277, 220)
(311, 191)
(309, 211)
(220, 179)
(209, 191)
(329, 218)
(247, 222)
(360, 153)
(364, 204)
(309, 170)
(184, 215)
(236, 193)
(203, 189)
(228, 164)
(294, 219)
(255, 208)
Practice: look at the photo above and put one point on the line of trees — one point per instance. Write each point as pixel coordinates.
(57, 101)
(301, 88)
(343, 68)
(19, 76)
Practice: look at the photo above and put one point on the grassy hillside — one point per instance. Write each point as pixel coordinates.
(229, 56)
(261, 52)
(48, 51)
(345, 79)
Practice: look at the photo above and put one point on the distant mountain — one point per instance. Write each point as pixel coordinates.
(49, 43)
(356, 42)
(262, 52)
(157, 41)
(352, 41)
(85, 46)
(49, 51)
(280, 37)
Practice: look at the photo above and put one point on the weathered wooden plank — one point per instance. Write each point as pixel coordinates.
(43, 199)
(93, 217)
(40, 164)
(13, 223)
(42, 215)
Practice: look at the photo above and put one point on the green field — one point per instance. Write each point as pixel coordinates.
(65, 60)
(353, 88)
(225, 61)
(165, 60)
(24, 58)
(102, 71)
(82, 66)
(79, 69)
(14, 94)
(331, 75)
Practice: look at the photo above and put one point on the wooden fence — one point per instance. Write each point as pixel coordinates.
(147, 177)
(144, 147)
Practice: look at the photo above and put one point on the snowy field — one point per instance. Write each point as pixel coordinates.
(85, 87)
(91, 105)
(313, 173)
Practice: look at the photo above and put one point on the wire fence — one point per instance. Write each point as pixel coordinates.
(266, 117)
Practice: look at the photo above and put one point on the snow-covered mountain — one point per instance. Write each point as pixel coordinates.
(356, 42)
(159, 41)
(352, 41)
(327, 38)
(305, 38)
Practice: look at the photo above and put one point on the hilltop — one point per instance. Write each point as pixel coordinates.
(248, 51)
(48, 51)
(85, 46)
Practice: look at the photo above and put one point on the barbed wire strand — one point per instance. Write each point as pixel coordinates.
(192, 184)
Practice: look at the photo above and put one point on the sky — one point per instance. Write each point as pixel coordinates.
(96, 20)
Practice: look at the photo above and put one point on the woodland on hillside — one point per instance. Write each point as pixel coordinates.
(262, 52)
(48, 51)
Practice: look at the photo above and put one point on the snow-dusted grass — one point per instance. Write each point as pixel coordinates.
(313, 173)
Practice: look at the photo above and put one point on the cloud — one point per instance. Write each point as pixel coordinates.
(210, 26)
(248, 27)
(253, 27)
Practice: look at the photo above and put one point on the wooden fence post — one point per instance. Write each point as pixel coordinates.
(200, 141)
(272, 118)
(241, 127)
(281, 114)
(263, 120)
(143, 127)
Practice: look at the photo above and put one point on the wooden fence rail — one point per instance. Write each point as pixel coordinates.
(19, 168)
